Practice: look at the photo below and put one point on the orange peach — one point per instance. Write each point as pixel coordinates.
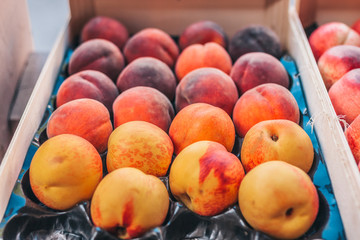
(254, 38)
(206, 178)
(279, 200)
(264, 102)
(87, 84)
(337, 61)
(203, 32)
(332, 34)
(83, 117)
(207, 85)
(64, 171)
(97, 54)
(277, 139)
(197, 56)
(143, 104)
(352, 134)
(345, 95)
(150, 72)
(141, 145)
(152, 42)
(127, 203)
(253, 69)
(201, 121)
(105, 28)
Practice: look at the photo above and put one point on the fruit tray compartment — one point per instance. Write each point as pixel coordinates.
(27, 218)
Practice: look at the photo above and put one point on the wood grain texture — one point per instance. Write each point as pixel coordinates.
(25, 87)
(30, 120)
(15, 47)
(343, 172)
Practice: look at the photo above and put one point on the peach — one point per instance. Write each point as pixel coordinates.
(255, 38)
(201, 121)
(105, 28)
(64, 171)
(345, 95)
(356, 26)
(203, 32)
(206, 178)
(337, 61)
(264, 102)
(83, 117)
(150, 72)
(277, 139)
(197, 56)
(97, 54)
(152, 42)
(207, 85)
(143, 104)
(279, 199)
(141, 145)
(88, 84)
(253, 69)
(127, 203)
(352, 134)
(332, 34)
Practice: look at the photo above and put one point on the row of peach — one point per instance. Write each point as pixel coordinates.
(191, 143)
(336, 48)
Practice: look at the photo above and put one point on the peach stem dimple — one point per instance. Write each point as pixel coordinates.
(289, 212)
(274, 138)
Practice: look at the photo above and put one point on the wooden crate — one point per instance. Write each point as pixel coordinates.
(15, 46)
(172, 16)
(346, 11)
(322, 11)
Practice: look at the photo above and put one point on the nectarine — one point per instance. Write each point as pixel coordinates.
(143, 104)
(152, 42)
(332, 34)
(127, 203)
(149, 72)
(64, 171)
(141, 145)
(206, 177)
(201, 121)
(203, 32)
(97, 54)
(83, 117)
(255, 38)
(279, 139)
(207, 85)
(253, 69)
(105, 28)
(87, 84)
(279, 199)
(264, 102)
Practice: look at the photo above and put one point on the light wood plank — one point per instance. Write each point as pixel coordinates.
(27, 82)
(30, 120)
(340, 162)
(15, 47)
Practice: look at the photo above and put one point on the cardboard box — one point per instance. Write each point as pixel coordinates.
(15, 47)
(172, 17)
